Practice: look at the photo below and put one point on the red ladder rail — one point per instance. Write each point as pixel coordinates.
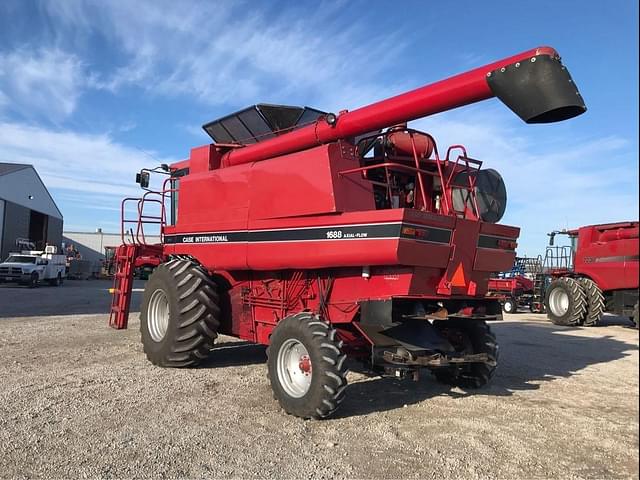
(134, 244)
(122, 286)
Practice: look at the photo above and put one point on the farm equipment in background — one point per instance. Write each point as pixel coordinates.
(324, 235)
(524, 286)
(144, 263)
(108, 263)
(516, 288)
(598, 273)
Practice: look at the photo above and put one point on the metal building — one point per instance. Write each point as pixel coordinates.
(91, 245)
(28, 213)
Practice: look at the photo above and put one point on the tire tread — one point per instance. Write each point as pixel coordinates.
(198, 321)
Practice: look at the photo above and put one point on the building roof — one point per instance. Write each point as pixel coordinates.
(21, 184)
(6, 168)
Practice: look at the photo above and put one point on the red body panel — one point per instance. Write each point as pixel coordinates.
(608, 254)
(512, 286)
(293, 194)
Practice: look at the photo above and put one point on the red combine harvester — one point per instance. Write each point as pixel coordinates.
(323, 235)
(601, 275)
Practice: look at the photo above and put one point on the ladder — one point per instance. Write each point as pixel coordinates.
(134, 244)
(539, 285)
(122, 285)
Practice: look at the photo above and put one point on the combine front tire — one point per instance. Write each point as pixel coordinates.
(306, 366)
(566, 302)
(595, 302)
(179, 315)
(469, 337)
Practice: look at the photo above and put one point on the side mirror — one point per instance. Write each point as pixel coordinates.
(143, 179)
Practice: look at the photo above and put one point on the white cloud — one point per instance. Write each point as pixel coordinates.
(235, 52)
(89, 172)
(43, 83)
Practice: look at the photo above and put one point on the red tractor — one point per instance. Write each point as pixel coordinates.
(329, 235)
(601, 275)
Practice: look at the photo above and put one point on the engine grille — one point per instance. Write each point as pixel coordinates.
(10, 271)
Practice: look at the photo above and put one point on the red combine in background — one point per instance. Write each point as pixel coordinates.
(324, 235)
(600, 276)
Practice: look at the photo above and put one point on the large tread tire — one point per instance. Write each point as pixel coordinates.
(577, 302)
(328, 371)
(478, 338)
(194, 314)
(595, 302)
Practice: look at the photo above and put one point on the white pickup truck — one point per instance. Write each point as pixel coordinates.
(31, 267)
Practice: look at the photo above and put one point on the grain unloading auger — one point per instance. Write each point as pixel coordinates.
(324, 235)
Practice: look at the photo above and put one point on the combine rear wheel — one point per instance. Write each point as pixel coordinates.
(306, 366)
(566, 302)
(469, 337)
(179, 315)
(595, 302)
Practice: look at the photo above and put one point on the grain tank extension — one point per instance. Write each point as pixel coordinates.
(329, 235)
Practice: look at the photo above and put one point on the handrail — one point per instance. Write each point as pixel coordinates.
(139, 236)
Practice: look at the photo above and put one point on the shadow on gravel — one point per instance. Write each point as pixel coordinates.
(74, 297)
(231, 354)
(611, 320)
(531, 353)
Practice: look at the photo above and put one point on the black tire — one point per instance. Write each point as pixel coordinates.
(576, 299)
(193, 307)
(326, 364)
(34, 280)
(595, 302)
(510, 305)
(635, 318)
(470, 337)
(56, 282)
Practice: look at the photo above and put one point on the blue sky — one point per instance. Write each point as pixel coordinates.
(92, 91)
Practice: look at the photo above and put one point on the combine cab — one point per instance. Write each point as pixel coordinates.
(329, 235)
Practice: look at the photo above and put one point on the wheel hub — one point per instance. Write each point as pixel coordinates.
(305, 365)
(158, 315)
(294, 368)
(558, 302)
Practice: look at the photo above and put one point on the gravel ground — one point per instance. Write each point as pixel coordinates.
(78, 399)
